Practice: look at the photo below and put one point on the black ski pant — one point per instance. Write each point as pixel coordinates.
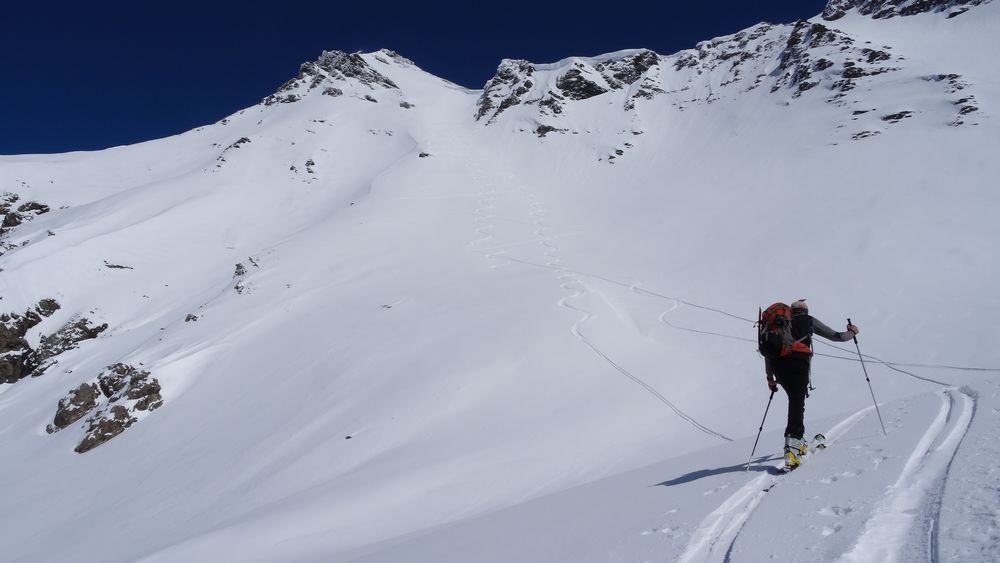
(793, 376)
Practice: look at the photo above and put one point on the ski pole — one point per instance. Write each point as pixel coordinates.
(759, 430)
(860, 357)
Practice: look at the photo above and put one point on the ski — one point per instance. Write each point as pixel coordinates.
(819, 443)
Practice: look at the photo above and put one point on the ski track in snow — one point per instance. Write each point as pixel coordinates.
(904, 526)
(485, 225)
(569, 279)
(713, 539)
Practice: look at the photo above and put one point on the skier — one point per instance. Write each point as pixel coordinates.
(792, 373)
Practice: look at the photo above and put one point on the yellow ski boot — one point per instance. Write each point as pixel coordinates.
(795, 450)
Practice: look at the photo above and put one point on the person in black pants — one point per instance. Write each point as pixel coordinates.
(792, 373)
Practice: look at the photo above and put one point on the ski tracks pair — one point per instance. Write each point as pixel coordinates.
(904, 524)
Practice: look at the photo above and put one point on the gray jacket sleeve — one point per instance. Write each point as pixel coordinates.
(830, 334)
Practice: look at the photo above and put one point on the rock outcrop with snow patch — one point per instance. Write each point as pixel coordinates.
(120, 392)
(331, 73)
(552, 87)
(882, 9)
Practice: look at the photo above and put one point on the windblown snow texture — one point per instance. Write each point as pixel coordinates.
(381, 317)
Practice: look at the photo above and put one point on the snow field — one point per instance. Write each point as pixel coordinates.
(512, 348)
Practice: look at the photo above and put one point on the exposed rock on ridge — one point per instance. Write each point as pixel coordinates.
(332, 69)
(517, 82)
(505, 89)
(881, 9)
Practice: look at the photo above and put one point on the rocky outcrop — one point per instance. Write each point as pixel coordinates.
(221, 159)
(15, 214)
(798, 62)
(882, 9)
(16, 355)
(726, 66)
(511, 82)
(550, 89)
(68, 337)
(815, 54)
(113, 401)
(333, 69)
(19, 360)
(629, 69)
(242, 285)
(104, 426)
(575, 85)
(74, 406)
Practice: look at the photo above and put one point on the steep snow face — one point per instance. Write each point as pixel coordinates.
(331, 321)
(883, 9)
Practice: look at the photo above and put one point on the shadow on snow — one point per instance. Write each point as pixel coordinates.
(702, 473)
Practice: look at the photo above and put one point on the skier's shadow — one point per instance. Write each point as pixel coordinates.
(756, 466)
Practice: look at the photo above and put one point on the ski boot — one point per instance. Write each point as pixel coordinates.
(795, 450)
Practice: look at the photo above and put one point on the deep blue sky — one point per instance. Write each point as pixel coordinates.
(89, 75)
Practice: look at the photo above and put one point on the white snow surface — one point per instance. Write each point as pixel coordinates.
(460, 341)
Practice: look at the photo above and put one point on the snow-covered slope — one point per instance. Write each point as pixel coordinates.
(379, 316)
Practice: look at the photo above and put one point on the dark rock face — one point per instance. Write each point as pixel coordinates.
(840, 67)
(121, 390)
(332, 67)
(882, 9)
(515, 79)
(14, 349)
(68, 337)
(339, 64)
(897, 117)
(543, 130)
(15, 215)
(17, 358)
(512, 80)
(796, 59)
(72, 408)
(33, 207)
(46, 307)
(575, 86)
(105, 426)
(627, 70)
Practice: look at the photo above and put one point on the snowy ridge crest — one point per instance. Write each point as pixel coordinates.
(550, 86)
(334, 70)
(883, 9)
(793, 59)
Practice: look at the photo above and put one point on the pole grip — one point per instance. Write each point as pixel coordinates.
(855, 336)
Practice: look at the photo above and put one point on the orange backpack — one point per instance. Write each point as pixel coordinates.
(774, 331)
